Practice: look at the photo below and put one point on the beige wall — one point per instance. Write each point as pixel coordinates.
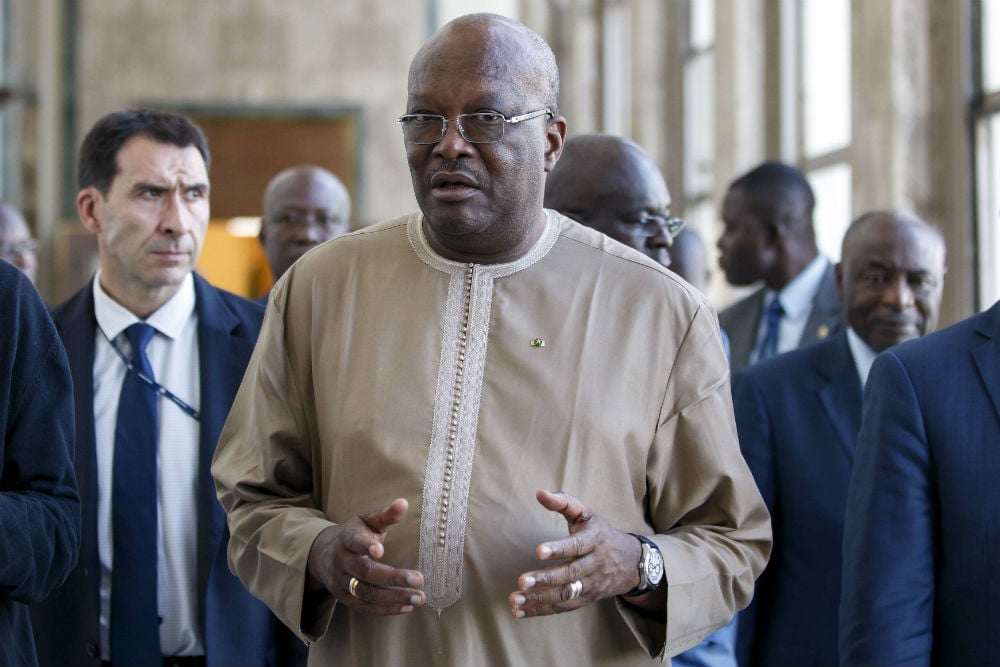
(246, 54)
(910, 78)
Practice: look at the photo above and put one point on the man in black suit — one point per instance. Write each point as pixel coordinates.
(768, 236)
(143, 178)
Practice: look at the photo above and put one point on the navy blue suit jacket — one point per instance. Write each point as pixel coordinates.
(237, 628)
(922, 538)
(798, 416)
(39, 504)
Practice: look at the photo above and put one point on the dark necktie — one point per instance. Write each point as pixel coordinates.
(770, 346)
(135, 626)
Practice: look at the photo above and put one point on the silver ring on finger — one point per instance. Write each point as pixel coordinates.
(352, 586)
(575, 589)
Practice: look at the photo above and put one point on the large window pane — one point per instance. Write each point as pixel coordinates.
(991, 47)
(989, 212)
(826, 75)
(832, 189)
(699, 117)
(702, 24)
(699, 101)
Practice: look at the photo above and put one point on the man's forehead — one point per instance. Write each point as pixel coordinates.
(144, 159)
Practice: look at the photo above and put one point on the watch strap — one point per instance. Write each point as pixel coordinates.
(640, 590)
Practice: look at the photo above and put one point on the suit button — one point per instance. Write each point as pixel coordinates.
(92, 650)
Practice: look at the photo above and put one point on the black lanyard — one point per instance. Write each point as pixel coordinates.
(159, 388)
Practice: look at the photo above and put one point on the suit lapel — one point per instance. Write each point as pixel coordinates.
(825, 315)
(987, 355)
(840, 393)
(741, 338)
(220, 362)
(77, 326)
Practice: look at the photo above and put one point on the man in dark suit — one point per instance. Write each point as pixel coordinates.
(303, 207)
(798, 417)
(922, 533)
(39, 504)
(768, 236)
(143, 179)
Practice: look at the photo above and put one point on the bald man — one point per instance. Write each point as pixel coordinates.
(610, 184)
(455, 446)
(16, 244)
(798, 416)
(303, 207)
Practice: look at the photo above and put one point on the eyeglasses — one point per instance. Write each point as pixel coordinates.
(650, 225)
(11, 250)
(484, 127)
(302, 219)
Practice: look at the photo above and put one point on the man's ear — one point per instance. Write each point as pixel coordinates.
(555, 135)
(88, 202)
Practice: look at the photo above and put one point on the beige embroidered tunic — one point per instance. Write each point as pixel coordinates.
(385, 371)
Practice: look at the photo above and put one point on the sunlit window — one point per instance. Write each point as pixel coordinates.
(832, 188)
(699, 102)
(988, 156)
(825, 88)
(4, 144)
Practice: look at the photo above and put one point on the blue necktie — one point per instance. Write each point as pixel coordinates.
(135, 625)
(769, 347)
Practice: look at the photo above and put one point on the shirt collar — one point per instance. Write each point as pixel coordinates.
(169, 319)
(797, 296)
(863, 355)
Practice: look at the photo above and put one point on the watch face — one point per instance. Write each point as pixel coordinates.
(654, 568)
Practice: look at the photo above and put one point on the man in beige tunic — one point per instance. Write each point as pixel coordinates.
(468, 435)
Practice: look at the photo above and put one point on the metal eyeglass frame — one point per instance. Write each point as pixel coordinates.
(512, 120)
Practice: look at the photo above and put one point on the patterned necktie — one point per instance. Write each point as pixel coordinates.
(770, 346)
(135, 625)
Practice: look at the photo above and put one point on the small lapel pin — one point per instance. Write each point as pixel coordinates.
(822, 332)
(537, 342)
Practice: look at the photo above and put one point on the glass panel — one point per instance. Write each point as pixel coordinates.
(702, 28)
(699, 128)
(826, 75)
(989, 213)
(452, 9)
(4, 194)
(832, 215)
(991, 45)
(4, 144)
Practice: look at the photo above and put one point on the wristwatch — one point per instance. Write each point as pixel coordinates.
(650, 567)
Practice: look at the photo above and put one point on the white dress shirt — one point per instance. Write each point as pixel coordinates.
(173, 355)
(797, 302)
(863, 355)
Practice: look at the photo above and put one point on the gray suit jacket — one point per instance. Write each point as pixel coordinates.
(740, 320)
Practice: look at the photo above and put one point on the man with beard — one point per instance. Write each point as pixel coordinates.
(768, 236)
(798, 417)
(482, 433)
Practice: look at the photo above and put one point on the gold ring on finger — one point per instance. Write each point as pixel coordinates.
(352, 586)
